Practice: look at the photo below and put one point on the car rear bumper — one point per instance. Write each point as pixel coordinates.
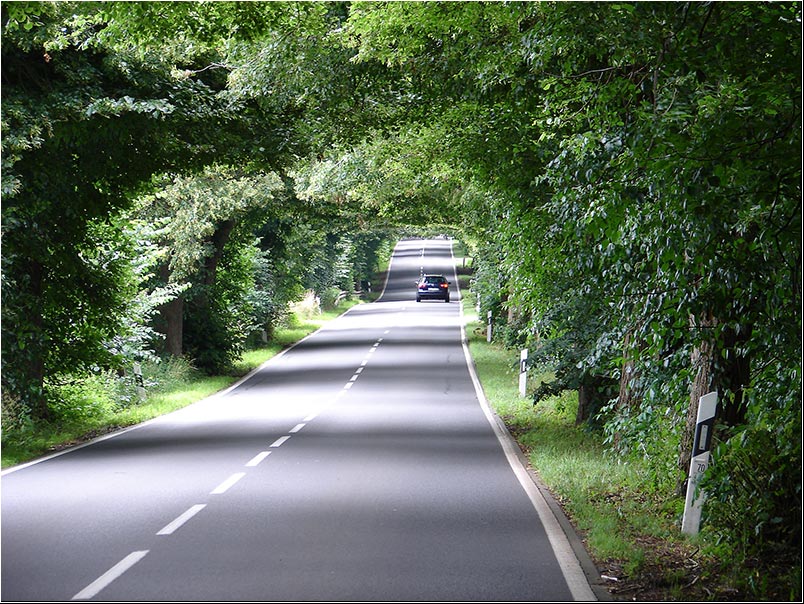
(440, 295)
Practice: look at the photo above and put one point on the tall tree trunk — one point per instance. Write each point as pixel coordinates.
(584, 404)
(737, 376)
(206, 335)
(172, 315)
(35, 353)
(219, 238)
(703, 359)
(628, 396)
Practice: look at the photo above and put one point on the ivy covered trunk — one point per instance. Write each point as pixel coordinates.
(205, 333)
(30, 376)
(720, 364)
(171, 315)
(703, 363)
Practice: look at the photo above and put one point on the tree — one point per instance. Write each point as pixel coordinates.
(88, 118)
(645, 163)
(81, 128)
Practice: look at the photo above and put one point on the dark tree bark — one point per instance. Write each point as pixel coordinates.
(703, 362)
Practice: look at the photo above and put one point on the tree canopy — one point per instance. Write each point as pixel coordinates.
(628, 176)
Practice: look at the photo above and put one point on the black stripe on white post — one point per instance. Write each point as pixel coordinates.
(523, 372)
(707, 408)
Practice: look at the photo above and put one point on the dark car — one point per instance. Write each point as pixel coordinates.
(433, 287)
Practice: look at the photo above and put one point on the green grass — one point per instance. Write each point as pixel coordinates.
(601, 495)
(179, 389)
(630, 527)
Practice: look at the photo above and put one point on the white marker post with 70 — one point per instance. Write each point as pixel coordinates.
(707, 408)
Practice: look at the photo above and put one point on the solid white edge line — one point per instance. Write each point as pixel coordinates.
(179, 521)
(91, 590)
(567, 560)
(254, 461)
(221, 393)
(227, 484)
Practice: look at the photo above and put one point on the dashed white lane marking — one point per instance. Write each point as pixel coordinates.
(176, 524)
(126, 563)
(257, 459)
(278, 442)
(91, 590)
(227, 484)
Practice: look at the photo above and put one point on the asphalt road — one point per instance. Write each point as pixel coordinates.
(358, 466)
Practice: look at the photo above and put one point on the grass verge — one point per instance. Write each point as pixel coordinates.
(170, 392)
(629, 528)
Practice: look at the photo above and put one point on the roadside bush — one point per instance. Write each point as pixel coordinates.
(308, 307)
(753, 494)
(14, 414)
(329, 298)
(167, 374)
(78, 398)
(158, 375)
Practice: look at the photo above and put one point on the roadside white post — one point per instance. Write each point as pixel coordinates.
(139, 381)
(523, 372)
(707, 407)
(488, 331)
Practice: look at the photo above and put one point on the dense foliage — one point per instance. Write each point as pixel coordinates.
(631, 175)
(628, 176)
(145, 192)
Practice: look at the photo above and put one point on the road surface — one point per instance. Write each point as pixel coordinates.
(358, 466)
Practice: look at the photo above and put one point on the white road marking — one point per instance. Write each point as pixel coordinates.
(257, 459)
(91, 590)
(364, 363)
(227, 484)
(310, 417)
(176, 524)
(359, 370)
(567, 560)
(349, 385)
(296, 428)
(279, 441)
(354, 377)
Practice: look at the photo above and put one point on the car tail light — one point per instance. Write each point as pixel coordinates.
(445, 285)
